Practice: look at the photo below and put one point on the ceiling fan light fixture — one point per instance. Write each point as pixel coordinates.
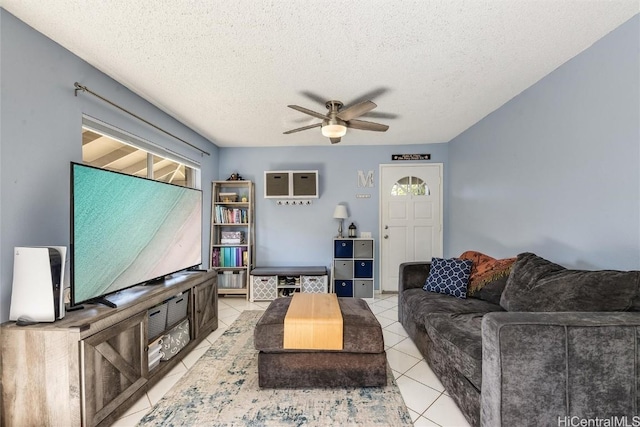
(334, 130)
(335, 123)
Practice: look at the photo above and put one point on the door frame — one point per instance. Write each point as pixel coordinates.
(382, 166)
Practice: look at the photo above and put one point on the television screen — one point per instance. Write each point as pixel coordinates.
(127, 230)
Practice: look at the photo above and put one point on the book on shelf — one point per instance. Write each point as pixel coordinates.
(232, 256)
(215, 258)
(225, 215)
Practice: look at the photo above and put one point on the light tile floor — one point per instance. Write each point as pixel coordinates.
(424, 395)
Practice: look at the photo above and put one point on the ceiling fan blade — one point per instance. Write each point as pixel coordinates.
(381, 115)
(314, 97)
(335, 140)
(364, 125)
(303, 128)
(372, 94)
(307, 111)
(356, 110)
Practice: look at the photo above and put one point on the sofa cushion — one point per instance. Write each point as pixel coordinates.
(459, 337)
(419, 304)
(536, 284)
(488, 276)
(449, 276)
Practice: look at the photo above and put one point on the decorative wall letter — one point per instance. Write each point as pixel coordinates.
(365, 181)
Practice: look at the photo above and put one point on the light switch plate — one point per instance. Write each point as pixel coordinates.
(365, 234)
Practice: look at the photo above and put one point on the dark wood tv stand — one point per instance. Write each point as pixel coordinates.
(90, 367)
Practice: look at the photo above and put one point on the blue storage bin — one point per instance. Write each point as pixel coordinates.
(363, 268)
(343, 248)
(344, 288)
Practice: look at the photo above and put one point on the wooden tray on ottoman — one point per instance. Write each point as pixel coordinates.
(313, 322)
(362, 362)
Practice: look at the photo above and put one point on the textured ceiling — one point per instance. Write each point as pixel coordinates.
(228, 69)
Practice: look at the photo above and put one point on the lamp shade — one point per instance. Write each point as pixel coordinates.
(334, 130)
(340, 212)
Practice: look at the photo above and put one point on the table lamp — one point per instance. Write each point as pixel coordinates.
(340, 213)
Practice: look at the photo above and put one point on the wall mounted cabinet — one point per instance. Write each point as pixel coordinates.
(291, 184)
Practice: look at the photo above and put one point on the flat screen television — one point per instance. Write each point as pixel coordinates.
(127, 230)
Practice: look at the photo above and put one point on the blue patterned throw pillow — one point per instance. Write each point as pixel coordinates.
(449, 276)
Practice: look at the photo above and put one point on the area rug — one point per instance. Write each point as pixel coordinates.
(221, 389)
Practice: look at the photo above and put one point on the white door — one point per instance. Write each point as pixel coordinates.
(410, 217)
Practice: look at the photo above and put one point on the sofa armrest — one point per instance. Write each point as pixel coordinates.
(413, 275)
(543, 368)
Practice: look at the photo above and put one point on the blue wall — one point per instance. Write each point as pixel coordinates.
(40, 133)
(556, 170)
(302, 235)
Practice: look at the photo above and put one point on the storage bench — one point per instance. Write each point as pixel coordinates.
(362, 362)
(269, 283)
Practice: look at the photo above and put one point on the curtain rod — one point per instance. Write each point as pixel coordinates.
(78, 87)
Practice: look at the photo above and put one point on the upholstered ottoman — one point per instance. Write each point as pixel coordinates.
(362, 362)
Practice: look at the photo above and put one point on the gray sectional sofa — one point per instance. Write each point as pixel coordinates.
(555, 347)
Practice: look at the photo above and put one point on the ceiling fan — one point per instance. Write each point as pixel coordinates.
(335, 123)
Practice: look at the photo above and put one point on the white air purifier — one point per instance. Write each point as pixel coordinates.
(38, 284)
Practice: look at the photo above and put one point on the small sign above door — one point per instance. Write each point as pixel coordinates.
(411, 157)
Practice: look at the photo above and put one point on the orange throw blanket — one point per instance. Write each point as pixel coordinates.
(485, 269)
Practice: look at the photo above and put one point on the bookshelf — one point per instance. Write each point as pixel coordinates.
(232, 235)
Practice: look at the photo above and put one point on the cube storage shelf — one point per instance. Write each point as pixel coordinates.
(353, 267)
(232, 235)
